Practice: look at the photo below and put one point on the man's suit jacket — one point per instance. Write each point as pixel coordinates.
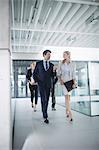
(42, 76)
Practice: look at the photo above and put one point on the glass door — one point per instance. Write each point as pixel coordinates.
(80, 96)
(12, 86)
(94, 87)
(21, 85)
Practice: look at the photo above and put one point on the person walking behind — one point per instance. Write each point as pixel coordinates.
(32, 85)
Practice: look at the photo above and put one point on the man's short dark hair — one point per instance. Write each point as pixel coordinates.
(46, 51)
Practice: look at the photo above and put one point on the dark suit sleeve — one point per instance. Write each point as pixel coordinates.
(35, 73)
(55, 78)
(52, 73)
(28, 75)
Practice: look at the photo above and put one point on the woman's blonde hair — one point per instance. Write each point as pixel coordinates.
(33, 62)
(68, 53)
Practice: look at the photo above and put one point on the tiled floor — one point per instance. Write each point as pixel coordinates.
(31, 133)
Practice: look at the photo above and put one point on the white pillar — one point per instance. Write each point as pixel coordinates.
(5, 59)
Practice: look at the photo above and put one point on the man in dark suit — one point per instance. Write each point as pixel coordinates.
(43, 73)
(32, 85)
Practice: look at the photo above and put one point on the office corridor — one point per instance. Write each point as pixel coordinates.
(31, 133)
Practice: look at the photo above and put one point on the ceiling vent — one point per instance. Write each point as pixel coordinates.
(92, 19)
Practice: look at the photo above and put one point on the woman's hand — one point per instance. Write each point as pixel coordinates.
(61, 81)
(31, 82)
(75, 84)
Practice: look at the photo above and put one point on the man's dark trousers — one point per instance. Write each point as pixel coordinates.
(44, 93)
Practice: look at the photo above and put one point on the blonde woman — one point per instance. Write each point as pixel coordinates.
(32, 85)
(66, 72)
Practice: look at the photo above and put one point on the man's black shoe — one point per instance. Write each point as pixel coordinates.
(46, 121)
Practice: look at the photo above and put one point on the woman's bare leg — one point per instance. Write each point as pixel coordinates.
(68, 108)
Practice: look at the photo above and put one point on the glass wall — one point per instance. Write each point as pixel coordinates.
(12, 85)
(20, 83)
(81, 96)
(94, 87)
(84, 99)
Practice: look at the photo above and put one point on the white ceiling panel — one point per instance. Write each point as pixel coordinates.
(39, 23)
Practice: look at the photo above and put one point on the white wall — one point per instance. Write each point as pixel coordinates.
(5, 118)
(5, 99)
(4, 24)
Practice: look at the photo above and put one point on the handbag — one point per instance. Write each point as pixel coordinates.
(69, 85)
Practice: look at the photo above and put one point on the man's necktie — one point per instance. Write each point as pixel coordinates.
(46, 64)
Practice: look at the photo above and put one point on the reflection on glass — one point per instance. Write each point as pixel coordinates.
(80, 96)
(82, 78)
(12, 86)
(58, 89)
(28, 90)
(94, 78)
(21, 85)
(94, 87)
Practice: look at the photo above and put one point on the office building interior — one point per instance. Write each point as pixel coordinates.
(27, 28)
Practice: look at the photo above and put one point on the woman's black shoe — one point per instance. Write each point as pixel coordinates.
(67, 116)
(71, 119)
